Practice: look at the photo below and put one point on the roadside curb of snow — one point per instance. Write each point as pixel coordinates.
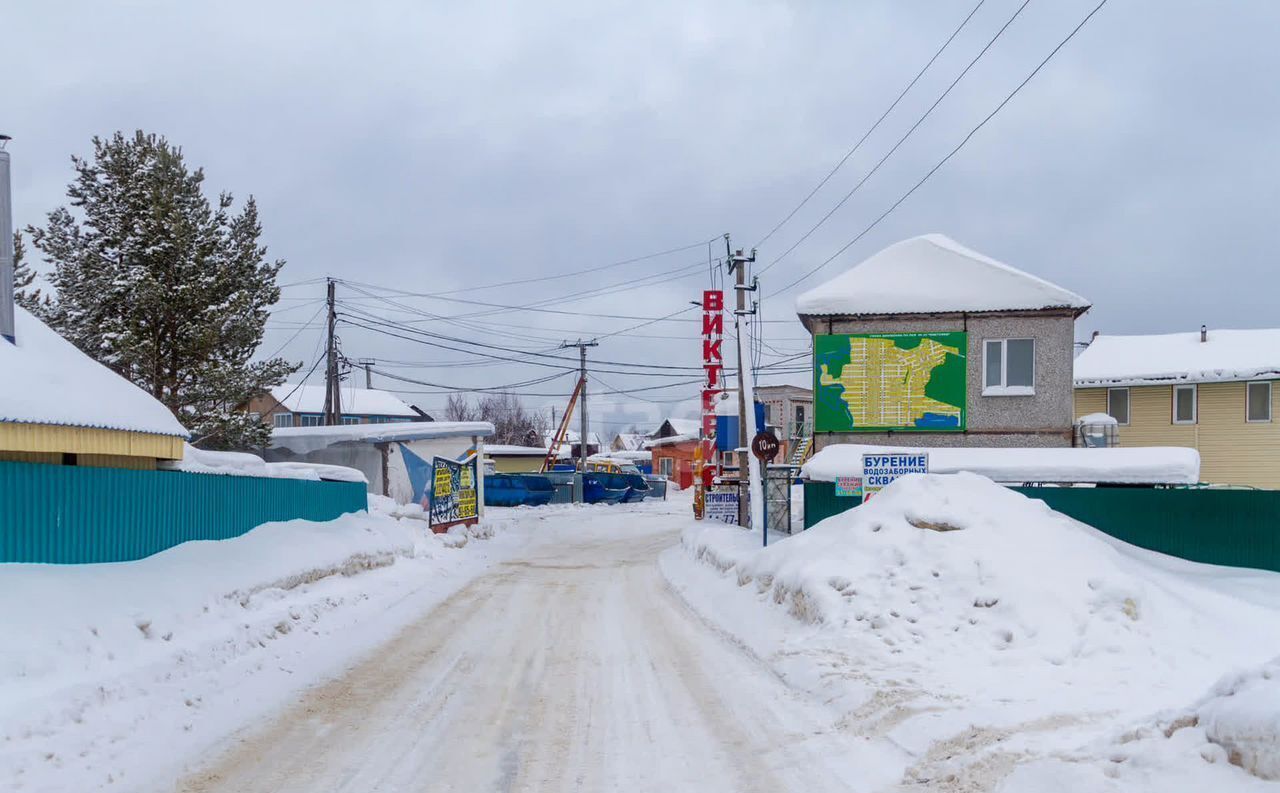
(170, 645)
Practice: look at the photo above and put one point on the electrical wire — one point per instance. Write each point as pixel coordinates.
(901, 140)
(873, 127)
(950, 154)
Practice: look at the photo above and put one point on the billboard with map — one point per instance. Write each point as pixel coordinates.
(873, 382)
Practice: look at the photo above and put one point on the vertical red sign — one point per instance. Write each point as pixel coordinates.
(713, 385)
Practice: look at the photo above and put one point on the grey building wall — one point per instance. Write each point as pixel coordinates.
(1043, 419)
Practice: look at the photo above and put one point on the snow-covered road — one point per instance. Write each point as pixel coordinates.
(570, 667)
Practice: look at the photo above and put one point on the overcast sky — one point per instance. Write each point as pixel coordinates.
(433, 147)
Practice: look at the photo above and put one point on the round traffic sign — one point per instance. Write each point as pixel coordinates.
(765, 445)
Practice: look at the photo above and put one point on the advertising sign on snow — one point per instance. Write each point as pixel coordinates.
(878, 470)
(453, 493)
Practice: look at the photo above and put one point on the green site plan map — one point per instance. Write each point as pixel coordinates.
(890, 381)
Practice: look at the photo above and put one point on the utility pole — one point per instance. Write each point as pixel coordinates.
(332, 393)
(367, 363)
(582, 406)
(748, 497)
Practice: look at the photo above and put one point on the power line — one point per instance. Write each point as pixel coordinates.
(950, 154)
(901, 140)
(873, 127)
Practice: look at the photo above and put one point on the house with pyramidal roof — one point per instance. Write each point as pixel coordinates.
(929, 343)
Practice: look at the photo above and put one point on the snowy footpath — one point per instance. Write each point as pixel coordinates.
(950, 635)
(980, 641)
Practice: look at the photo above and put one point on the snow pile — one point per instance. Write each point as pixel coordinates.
(1137, 465)
(61, 385)
(1242, 715)
(1098, 418)
(979, 630)
(934, 274)
(303, 440)
(1180, 357)
(203, 461)
(197, 640)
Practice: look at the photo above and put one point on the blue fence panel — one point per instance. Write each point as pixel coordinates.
(74, 515)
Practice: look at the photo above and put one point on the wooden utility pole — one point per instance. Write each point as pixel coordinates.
(582, 395)
(332, 393)
(738, 266)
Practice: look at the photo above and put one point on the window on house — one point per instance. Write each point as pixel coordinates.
(1259, 402)
(665, 466)
(1118, 404)
(350, 419)
(1009, 367)
(311, 420)
(283, 419)
(800, 415)
(1184, 404)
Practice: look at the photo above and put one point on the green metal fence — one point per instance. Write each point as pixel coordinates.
(74, 515)
(1240, 528)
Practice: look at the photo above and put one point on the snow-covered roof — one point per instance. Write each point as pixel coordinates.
(630, 441)
(1131, 465)
(1180, 357)
(47, 380)
(672, 439)
(302, 440)
(355, 401)
(571, 437)
(685, 426)
(505, 450)
(203, 461)
(934, 274)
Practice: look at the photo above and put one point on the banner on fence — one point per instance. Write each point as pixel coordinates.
(722, 506)
(849, 486)
(879, 470)
(454, 493)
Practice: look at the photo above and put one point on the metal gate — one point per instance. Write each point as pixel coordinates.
(777, 497)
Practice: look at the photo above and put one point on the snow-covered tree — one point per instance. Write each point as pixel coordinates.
(25, 293)
(163, 286)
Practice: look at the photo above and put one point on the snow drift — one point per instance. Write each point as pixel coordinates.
(995, 615)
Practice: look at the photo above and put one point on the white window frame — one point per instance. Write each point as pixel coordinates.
(1195, 404)
(1002, 389)
(1128, 405)
(1247, 387)
(282, 420)
(666, 466)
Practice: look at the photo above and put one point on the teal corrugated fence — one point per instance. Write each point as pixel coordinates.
(1240, 528)
(75, 515)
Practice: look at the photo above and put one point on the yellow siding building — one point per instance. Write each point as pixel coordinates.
(1213, 391)
(60, 407)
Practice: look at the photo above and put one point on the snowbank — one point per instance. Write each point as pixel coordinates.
(979, 630)
(1137, 465)
(103, 663)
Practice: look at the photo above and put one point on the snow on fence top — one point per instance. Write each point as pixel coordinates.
(934, 274)
(301, 440)
(1180, 357)
(355, 401)
(203, 461)
(1137, 465)
(49, 381)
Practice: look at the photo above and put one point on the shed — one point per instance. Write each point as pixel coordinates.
(62, 407)
(385, 453)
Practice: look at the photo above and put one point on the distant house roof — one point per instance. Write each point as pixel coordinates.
(571, 437)
(49, 381)
(355, 401)
(302, 440)
(629, 441)
(934, 274)
(672, 427)
(1180, 358)
(503, 450)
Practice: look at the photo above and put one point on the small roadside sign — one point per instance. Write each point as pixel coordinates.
(879, 470)
(848, 486)
(765, 446)
(722, 506)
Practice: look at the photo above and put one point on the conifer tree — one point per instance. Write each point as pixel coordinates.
(163, 286)
(24, 294)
